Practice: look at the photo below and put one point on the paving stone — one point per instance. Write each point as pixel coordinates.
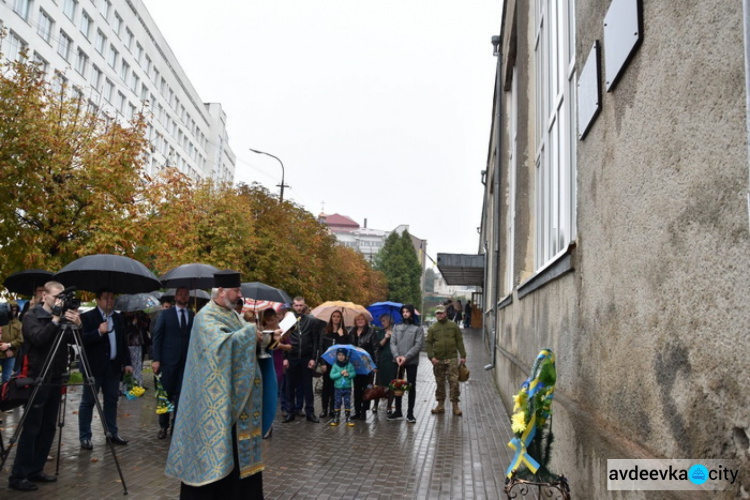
(441, 456)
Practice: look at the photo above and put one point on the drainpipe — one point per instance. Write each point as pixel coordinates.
(746, 31)
(496, 200)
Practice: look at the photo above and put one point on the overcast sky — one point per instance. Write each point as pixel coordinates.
(379, 110)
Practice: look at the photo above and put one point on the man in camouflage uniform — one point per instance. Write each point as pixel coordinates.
(443, 341)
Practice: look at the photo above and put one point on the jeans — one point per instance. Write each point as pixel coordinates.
(299, 375)
(411, 377)
(38, 432)
(109, 383)
(7, 365)
(342, 396)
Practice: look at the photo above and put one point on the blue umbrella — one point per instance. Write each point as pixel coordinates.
(358, 357)
(393, 309)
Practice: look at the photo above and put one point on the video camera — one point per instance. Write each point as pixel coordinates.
(69, 299)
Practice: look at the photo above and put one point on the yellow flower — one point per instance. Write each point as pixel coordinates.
(519, 400)
(518, 422)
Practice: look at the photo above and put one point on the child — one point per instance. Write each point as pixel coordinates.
(342, 374)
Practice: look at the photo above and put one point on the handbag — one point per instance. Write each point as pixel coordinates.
(374, 392)
(16, 392)
(463, 372)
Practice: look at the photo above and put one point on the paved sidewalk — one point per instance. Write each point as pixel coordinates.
(439, 457)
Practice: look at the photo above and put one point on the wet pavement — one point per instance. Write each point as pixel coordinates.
(439, 457)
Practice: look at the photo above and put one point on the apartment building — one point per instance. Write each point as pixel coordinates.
(112, 53)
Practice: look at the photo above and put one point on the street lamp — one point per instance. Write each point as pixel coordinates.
(282, 169)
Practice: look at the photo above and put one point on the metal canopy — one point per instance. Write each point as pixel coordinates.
(461, 269)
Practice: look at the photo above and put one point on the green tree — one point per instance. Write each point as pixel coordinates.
(69, 177)
(429, 280)
(398, 261)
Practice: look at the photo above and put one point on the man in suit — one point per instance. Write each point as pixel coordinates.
(171, 337)
(106, 349)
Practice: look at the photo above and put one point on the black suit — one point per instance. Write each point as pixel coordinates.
(107, 372)
(169, 348)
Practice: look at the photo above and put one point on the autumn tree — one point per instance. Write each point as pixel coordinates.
(398, 262)
(69, 177)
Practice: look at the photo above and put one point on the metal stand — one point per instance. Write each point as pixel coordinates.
(519, 488)
(67, 330)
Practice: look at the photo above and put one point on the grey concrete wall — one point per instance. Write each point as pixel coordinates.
(651, 328)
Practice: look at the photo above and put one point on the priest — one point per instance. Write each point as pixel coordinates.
(216, 444)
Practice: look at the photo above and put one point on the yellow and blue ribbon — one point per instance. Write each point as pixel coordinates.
(533, 385)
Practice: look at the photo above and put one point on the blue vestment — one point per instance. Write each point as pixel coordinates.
(222, 388)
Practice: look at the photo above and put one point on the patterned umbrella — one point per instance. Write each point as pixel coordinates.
(359, 358)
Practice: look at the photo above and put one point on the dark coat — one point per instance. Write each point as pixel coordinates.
(40, 334)
(367, 341)
(97, 346)
(170, 347)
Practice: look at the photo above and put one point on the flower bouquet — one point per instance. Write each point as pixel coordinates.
(163, 405)
(399, 386)
(133, 390)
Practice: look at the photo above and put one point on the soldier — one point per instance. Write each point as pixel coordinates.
(443, 341)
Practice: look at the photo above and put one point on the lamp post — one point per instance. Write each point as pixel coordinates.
(282, 169)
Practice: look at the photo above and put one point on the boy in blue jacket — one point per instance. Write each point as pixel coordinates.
(342, 374)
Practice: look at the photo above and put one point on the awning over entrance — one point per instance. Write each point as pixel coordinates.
(461, 269)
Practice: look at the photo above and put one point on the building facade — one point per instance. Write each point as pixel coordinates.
(615, 228)
(112, 53)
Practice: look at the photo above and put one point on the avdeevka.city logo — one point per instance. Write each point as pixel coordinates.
(678, 474)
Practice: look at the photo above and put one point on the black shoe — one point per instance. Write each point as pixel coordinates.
(356, 416)
(116, 439)
(162, 433)
(363, 416)
(43, 478)
(411, 419)
(22, 485)
(323, 414)
(312, 418)
(396, 415)
(289, 418)
(86, 444)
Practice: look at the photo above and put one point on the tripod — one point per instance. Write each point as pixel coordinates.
(70, 331)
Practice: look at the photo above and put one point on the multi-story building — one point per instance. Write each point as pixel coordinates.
(615, 229)
(112, 53)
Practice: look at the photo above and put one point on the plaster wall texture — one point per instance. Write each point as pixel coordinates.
(650, 329)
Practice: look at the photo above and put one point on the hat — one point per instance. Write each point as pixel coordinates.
(342, 350)
(227, 279)
(439, 309)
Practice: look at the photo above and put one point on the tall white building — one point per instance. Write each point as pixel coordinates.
(112, 53)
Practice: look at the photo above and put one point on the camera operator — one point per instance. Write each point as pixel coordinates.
(41, 326)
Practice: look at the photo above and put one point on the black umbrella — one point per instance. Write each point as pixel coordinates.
(260, 291)
(25, 282)
(135, 302)
(192, 276)
(110, 272)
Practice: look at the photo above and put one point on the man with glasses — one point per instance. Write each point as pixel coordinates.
(106, 347)
(443, 341)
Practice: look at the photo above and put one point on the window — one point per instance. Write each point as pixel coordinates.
(556, 138)
(59, 82)
(69, 9)
(101, 42)
(108, 88)
(45, 26)
(129, 39)
(104, 7)
(134, 80)
(144, 92)
(96, 77)
(86, 24)
(124, 71)
(41, 64)
(147, 67)
(15, 47)
(112, 57)
(82, 62)
(118, 24)
(22, 8)
(139, 53)
(65, 44)
(120, 103)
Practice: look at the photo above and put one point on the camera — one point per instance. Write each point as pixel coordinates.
(69, 301)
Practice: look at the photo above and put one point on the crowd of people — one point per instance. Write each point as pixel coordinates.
(213, 345)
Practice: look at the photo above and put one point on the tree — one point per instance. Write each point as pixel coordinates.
(69, 177)
(429, 280)
(398, 262)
